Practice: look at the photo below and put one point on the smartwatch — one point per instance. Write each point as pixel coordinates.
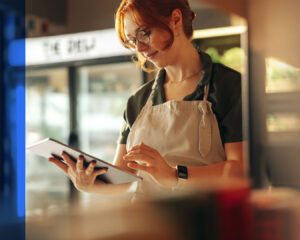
(182, 172)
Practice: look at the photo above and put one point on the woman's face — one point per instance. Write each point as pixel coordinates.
(154, 51)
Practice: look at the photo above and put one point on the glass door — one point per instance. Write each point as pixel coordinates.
(47, 115)
(102, 98)
(282, 94)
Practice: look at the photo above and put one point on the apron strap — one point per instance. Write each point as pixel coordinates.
(149, 102)
(206, 91)
(205, 128)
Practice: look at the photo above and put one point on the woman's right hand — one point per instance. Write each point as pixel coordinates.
(82, 178)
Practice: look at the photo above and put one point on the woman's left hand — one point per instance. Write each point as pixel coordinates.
(150, 161)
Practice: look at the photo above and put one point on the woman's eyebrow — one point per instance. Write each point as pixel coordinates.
(136, 30)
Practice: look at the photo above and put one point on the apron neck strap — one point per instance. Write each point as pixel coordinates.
(206, 91)
(149, 100)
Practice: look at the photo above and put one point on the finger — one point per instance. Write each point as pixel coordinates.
(79, 164)
(139, 167)
(142, 145)
(141, 159)
(69, 161)
(100, 172)
(60, 164)
(141, 151)
(72, 174)
(145, 158)
(144, 148)
(89, 170)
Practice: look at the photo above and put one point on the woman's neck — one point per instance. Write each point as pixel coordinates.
(187, 65)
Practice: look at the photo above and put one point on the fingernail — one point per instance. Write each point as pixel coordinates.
(130, 164)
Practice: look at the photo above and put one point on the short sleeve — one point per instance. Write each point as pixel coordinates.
(124, 132)
(134, 105)
(232, 123)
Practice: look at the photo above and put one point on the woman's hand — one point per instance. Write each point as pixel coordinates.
(150, 161)
(82, 178)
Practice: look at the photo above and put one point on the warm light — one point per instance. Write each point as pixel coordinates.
(219, 32)
(281, 77)
(283, 122)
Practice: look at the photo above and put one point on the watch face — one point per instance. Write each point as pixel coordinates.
(182, 172)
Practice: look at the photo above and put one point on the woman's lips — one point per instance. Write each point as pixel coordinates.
(151, 55)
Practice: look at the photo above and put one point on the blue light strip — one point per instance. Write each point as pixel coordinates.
(12, 195)
(20, 138)
(16, 88)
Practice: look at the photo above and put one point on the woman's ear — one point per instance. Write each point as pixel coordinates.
(176, 20)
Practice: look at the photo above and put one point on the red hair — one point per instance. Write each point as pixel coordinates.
(153, 13)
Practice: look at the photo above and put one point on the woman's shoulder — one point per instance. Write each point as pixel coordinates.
(226, 81)
(137, 100)
(223, 72)
(226, 87)
(227, 74)
(227, 95)
(141, 94)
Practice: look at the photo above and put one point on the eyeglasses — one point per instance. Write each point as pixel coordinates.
(142, 36)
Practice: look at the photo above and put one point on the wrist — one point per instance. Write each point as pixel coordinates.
(81, 188)
(181, 175)
(170, 180)
(174, 176)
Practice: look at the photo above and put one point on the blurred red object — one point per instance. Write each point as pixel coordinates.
(277, 214)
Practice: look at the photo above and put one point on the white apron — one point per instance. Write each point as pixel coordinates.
(183, 132)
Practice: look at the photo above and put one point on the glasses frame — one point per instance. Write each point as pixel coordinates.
(132, 43)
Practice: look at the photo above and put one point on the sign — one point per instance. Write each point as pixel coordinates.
(74, 47)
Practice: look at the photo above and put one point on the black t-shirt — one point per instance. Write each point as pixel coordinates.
(224, 94)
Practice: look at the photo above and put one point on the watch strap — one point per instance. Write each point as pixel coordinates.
(182, 172)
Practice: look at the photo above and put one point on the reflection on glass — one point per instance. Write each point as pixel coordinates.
(224, 45)
(47, 111)
(232, 57)
(283, 122)
(281, 77)
(103, 93)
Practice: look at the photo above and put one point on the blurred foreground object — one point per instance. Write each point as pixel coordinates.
(277, 214)
(214, 211)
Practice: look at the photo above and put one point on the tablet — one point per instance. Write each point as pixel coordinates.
(52, 148)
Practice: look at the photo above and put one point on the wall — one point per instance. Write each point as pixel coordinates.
(99, 14)
(91, 15)
(274, 26)
(53, 10)
(273, 32)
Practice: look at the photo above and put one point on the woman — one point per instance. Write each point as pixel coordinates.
(186, 124)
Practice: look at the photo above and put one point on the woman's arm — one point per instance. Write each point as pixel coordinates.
(232, 167)
(85, 179)
(166, 176)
